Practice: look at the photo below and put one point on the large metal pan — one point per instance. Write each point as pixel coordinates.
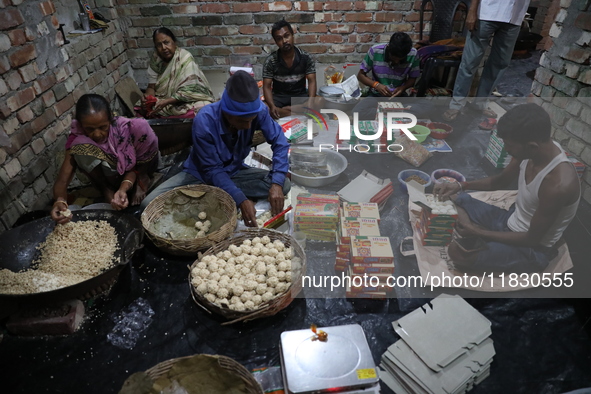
(18, 249)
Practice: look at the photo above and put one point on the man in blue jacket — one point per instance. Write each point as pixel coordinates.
(222, 138)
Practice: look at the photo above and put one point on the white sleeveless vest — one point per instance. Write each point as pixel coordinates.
(527, 203)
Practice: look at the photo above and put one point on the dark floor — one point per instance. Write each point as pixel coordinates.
(541, 344)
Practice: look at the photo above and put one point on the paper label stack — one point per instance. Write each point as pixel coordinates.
(444, 348)
(361, 250)
(496, 152)
(436, 222)
(317, 215)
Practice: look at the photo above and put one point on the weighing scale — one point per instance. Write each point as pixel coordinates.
(341, 364)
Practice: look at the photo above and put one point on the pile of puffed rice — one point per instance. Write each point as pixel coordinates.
(74, 252)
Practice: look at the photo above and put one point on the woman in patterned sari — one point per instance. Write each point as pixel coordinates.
(118, 155)
(175, 80)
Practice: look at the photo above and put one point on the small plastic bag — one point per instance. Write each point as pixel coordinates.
(412, 152)
(332, 75)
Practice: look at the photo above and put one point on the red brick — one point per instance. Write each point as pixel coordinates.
(363, 5)
(63, 106)
(4, 66)
(22, 55)
(208, 40)
(223, 30)
(215, 8)
(306, 39)
(13, 80)
(253, 29)
(388, 17)
(55, 22)
(342, 48)
(313, 28)
(359, 17)
(370, 28)
(415, 16)
(30, 33)
(340, 28)
(132, 43)
(358, 38)
(10, 18)
(338, 6)
(314, 48)
(48, 98)
(248, 50)
(20, 99)
(48, 116)
(47, 7)
(17, 37)
(262, 41)
(185, 9)
(308, 5)
(583, 21)
(28, 72)
(277, 6)
(247, 7)
(331, 38)
(25, 114)
(328, 17)
(398, 6)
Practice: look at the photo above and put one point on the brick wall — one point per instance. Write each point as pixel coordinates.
(562, 83)
(333, 31)
(545, 16)
(40, 81)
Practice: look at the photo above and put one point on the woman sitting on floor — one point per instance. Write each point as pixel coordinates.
(175, 80)
(118, 155)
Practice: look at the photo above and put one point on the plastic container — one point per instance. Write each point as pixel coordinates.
(440, 135)
(404, 174)
(446, 172)
(421, 132)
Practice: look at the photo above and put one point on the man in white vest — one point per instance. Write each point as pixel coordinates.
(524, 238)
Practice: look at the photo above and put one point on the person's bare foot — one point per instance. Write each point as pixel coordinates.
(141, 187)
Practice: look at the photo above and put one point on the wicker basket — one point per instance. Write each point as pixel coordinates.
(227, 363)
(190, 247)
(265, 309)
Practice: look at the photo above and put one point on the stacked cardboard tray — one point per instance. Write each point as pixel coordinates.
(445, 347)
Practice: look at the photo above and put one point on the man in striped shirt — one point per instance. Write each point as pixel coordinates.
(286, 72)
(388, 69)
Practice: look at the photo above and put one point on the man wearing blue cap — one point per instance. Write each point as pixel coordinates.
(222, 137)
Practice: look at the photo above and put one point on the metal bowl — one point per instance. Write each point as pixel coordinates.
(331, 92)
(335, 161)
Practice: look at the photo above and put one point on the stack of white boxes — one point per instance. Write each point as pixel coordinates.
(444, 348)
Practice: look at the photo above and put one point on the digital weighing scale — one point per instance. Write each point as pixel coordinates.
(341, 364)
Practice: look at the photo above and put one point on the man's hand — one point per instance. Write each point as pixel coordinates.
(398, 91)
(276, 198)
(274, 111)
(472, 21)
(56, 215)
(444, 190)
(119, 200)
(249, 213)
(466, 228)
(383, 90)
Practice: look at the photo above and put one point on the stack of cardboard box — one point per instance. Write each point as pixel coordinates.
(361, 250)
(317, 215)
(496, 152)
(445, 347)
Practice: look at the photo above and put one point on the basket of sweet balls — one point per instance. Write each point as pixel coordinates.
(187, 219)
(255, 274)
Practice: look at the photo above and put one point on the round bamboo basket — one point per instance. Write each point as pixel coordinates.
(190, 247)
(227, 363)
(265, 309)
